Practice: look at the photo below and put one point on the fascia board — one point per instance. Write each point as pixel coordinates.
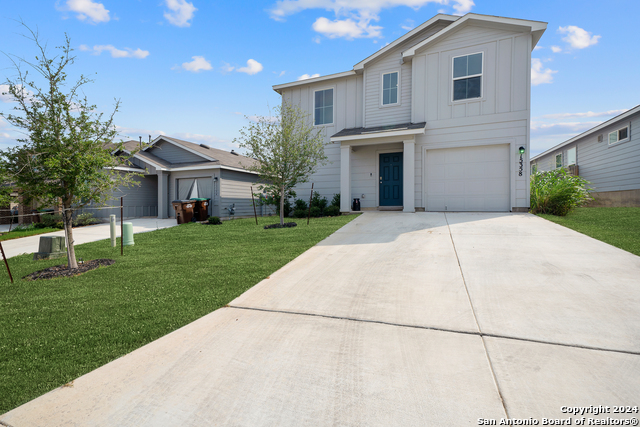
(440, 17)
(532, 26)
(195, 168)
(381, 134)
(278, 88)
(591, 131)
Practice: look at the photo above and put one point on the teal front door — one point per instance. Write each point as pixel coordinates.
(390, 191)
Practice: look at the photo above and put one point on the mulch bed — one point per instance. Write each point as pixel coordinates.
(63, 271)
(286, 225)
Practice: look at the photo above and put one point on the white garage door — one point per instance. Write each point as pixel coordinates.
(468, 179)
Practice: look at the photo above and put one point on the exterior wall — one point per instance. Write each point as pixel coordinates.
(609, 168)
(235, 187)
(375, 113)
(206, 174)
(150, 168)
(138, 201)
(365, 171)
(174, 154)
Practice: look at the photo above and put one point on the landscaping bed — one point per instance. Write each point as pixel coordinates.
(53, 331)
(62, 271)
(619, 227)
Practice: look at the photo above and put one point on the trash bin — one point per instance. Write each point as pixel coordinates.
(184, 210)
(201, 208)
(356, 205)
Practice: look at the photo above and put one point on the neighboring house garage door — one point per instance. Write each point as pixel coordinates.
(468, 179)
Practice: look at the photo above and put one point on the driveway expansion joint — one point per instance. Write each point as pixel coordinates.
(435, 328)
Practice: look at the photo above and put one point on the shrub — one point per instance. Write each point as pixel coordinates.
(52, 220)
(300, 205)
(557, 193)
(336, 201)
(214, 220)
(315, 211)
(318, 202)
(39, 225)
(85, 219)
(332, 211)
(300, 213)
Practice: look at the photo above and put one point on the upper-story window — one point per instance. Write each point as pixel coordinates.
(619, 135)
(390, 88)
(558, 161)
(323, 111)
(467, 76)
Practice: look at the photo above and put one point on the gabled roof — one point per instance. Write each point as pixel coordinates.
(536, 28)
(196, 149)
(591, 131)
(455, 23)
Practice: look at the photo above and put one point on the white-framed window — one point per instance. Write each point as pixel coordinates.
(390, 86)
(558, 161)
(467, 76)
(619, 135)
(534, 168)
(323, 107)
(571, 156)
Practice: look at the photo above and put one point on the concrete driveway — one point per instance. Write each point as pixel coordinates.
(425, 319)
(87, 234)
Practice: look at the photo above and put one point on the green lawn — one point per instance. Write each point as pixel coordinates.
(24, 233)
(619, 227)
(52, 331)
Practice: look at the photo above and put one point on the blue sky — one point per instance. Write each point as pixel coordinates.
(194, 68)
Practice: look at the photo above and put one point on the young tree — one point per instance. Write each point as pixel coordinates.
(287, 149)
(64, 158)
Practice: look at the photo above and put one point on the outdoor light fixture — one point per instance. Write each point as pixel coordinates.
(521, 150)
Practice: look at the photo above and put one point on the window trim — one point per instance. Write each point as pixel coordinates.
(555, 163)
(313, 105)
(575, 161)
(398, 101)
(617, 132)
(481, 75)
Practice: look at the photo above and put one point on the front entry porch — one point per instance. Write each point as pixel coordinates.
(377, 166)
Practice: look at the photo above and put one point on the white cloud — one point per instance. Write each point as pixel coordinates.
(8, 97)
(180, 12)
(540, 75)
(307, 76)
(538, 47)
(577, 37)
(226, 68)
(253, 67)
(347, 28)
(588, 114)
(279, 74)
(316, 39)
(354, 17)
(409, 24)
(115, 52)
(198, 64)
(556, 49)
(89, 10)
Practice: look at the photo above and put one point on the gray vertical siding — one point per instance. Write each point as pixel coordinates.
(613, 167)
(200, 174)
(174, 154)
(138, 201)
(235, 187)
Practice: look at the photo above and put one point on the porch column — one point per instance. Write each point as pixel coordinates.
(409, 176)
(163, 183)
(345, 178)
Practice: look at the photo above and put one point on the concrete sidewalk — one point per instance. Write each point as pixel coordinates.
(87, 234)
(425, 319)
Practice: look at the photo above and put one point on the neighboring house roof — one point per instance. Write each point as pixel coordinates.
(537, 28)
(379, 131)
(593, 130)
(210, 156)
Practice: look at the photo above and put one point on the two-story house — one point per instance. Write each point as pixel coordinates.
(437, 120)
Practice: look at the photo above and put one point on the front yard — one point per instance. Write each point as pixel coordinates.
(53, 331)
(619, 227)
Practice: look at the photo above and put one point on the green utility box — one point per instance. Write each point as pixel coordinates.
(51, 247)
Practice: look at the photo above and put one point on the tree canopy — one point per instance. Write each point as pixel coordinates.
(65, 156)
(287, 147)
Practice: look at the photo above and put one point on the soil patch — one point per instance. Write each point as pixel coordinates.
(63, 271)
(278, 225)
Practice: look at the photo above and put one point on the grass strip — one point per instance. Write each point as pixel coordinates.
(53, 331)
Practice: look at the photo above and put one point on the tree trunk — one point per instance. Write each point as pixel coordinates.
(282, 196)
(67, 216)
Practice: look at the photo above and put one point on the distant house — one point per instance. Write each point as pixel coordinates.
(174, 169)
(433, 121)
(608, 156)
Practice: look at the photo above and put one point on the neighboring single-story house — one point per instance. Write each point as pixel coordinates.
(174, 169)
(608, 156)
(433, 121)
